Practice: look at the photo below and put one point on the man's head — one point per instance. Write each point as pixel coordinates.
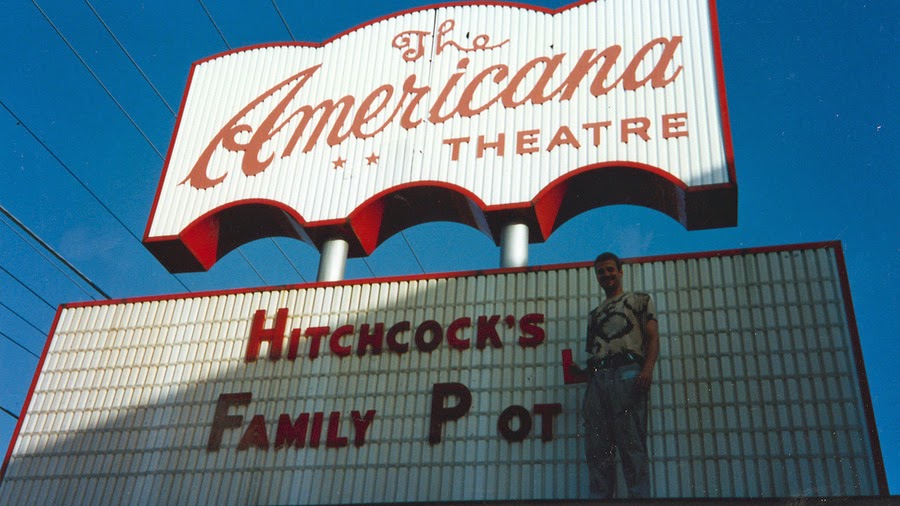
(608, 268)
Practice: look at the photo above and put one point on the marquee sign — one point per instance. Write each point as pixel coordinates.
(478, 113)
(448, 387)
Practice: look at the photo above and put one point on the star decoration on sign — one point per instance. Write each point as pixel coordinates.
(341, 163)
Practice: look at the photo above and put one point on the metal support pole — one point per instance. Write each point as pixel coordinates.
(514, 245)
(333, 260)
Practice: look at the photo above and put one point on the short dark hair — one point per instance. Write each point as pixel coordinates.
(603, 257)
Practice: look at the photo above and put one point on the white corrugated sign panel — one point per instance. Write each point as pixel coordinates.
(757, 391)
(402, 79)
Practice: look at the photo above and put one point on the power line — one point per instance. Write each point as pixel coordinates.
(19, 281)
(53, 252)
(97, 78)
(155, 90)
(133, 62)
(78, 179)
(121, 108)
(39, 252)
(8, 412)
(412, 251)
(150, 83)
(289, 260)
(13, 311)
(20, 345)
(252, 267)
(211, 20)
(119, 105)
(169, 107)
(288, 28)
(369, 266)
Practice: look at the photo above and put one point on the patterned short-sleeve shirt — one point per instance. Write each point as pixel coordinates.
(617, 325)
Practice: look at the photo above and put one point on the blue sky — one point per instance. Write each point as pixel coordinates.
(812, 95)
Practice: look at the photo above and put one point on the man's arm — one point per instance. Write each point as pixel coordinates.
(651, 341)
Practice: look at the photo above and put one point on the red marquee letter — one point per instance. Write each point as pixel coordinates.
(274, 336)
(222, 420)
(440, 414)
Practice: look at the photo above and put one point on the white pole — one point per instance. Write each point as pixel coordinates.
(333, 260)
(514, 245)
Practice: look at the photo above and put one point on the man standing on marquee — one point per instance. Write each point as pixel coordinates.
(623, 340)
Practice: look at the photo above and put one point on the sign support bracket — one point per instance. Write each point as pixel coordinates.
(333, 261)
(514, 245)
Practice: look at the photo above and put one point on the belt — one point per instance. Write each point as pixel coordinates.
(617, 360)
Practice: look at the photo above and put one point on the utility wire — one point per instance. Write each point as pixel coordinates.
(169, 107)
(369, 266)
(121, 108)
(13, 311)
(211, 20)
(133, 62)
(252, 267)
(41, 253)
(412, 251)
(158, 94)
(283, 21)
(289, 260)
(19, 281)
(97, 78)
(53, 252)
(78, 179)
(20, 345)
(8, 412)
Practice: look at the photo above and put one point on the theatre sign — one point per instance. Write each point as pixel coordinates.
(483, 114)
(448, 388)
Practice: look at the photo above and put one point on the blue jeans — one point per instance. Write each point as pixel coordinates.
(615, 417)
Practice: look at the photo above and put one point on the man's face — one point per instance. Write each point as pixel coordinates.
(608, 275)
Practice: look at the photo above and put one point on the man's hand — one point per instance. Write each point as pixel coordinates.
(644, 379)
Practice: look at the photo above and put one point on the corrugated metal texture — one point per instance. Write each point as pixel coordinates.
(356, 64)
(756, 392)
